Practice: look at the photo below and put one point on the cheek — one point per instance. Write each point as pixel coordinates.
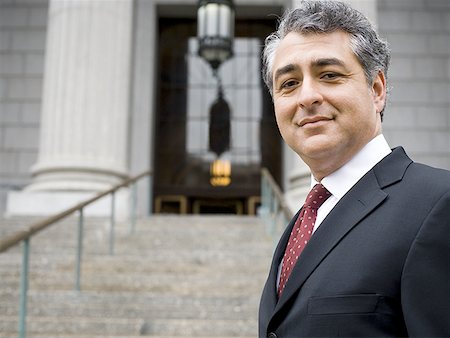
(284, 111)
(355, 124)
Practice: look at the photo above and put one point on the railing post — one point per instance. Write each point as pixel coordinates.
(24, 289)
(112, 223)
(79, 250)
(133, 206)
(263, 192)
(264, 210)
(150, 186)
(274, 215)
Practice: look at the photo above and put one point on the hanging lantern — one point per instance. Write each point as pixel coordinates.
(219, 125)
(215, 31)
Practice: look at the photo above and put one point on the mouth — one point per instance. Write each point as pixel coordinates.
(313, 121)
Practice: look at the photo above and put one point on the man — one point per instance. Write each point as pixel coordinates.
(370, 255)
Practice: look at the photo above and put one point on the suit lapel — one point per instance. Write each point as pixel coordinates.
(363, 198)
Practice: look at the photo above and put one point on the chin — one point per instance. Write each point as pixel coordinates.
(318, 148)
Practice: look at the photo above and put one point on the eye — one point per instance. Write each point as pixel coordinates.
(289, 84)
(330, 76)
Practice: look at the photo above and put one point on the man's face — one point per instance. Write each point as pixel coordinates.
(325, 109)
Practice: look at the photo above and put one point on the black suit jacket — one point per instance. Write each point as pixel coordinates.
(378, 265)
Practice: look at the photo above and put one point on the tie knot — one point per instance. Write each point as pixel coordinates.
(316, 197)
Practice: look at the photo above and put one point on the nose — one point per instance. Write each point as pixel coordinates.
(309, 94)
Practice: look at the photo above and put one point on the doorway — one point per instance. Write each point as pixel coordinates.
(184, 162)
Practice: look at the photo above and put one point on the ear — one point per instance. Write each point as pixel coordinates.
(379, 91)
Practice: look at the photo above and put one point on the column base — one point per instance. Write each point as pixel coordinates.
(298, 188)
(73, 178)
(46, 203)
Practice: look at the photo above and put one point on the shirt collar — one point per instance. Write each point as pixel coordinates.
(342, 180)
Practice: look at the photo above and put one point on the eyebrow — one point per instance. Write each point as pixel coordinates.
(328, 62)
(322, 62)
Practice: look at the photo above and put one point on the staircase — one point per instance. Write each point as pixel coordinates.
(175, 276)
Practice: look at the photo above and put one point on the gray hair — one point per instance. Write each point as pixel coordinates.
(324, 16)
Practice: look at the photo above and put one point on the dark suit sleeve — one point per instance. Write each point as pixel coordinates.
(426, 276)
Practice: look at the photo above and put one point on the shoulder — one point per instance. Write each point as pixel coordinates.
(416, 187)
(430, 185)
(398, 167)
(410, 182)
(429, 176)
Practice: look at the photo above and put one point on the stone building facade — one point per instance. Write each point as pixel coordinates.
(80, 93)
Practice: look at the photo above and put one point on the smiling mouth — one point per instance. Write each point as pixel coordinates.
(313, 121)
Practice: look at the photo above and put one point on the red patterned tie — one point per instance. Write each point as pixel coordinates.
(302, 231)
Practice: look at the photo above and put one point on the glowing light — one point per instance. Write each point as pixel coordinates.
(220, 173)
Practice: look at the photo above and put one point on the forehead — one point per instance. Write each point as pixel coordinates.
(298, 48)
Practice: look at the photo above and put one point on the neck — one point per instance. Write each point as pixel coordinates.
(326, 165)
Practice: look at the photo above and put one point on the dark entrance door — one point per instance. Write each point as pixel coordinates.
(185, 165)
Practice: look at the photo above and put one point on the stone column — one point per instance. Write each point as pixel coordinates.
(86, 97)
(84, 122)
(297, 174)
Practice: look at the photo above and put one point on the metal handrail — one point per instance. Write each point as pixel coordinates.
(24, 236)
(21, 235)
(274, 209)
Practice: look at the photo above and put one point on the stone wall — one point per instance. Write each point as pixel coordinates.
(22, 47)
(418, 112)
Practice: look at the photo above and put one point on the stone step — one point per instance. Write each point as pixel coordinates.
(256, 253)
(212, 222)
(14, 335)
(66, 272)
(74, 304)
(142, 327)
(157, 234)
(74, 325)
(142, 247)
(154, 259)
(232, 283)
(199, 327)
(173, 277)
